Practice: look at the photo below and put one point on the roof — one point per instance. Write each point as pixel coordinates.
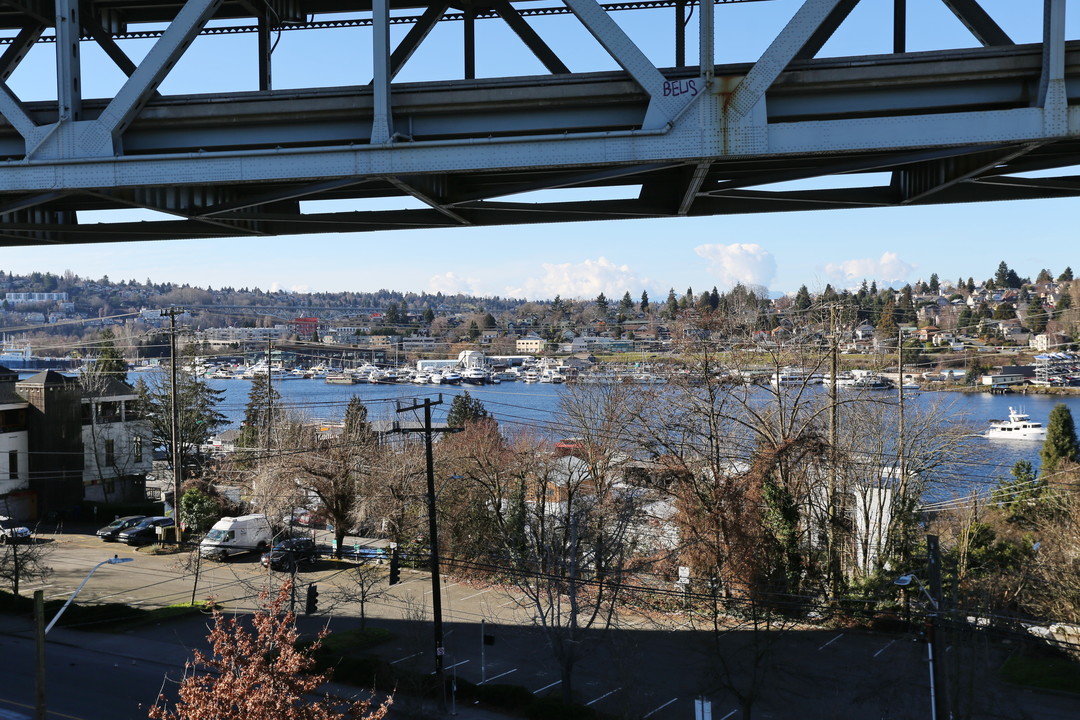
(106, 387)
(8, 396)
(49, 377)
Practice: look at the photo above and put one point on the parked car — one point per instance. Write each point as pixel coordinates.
(12, 533)
(145, 531)
(288, 554)
(117, 526)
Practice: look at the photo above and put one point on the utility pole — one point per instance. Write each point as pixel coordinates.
(833, 555)
(933, 575)
(39, 637)
(177, 461)
(269, 394)
(433, 532)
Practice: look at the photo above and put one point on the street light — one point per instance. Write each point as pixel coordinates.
(42, 630)
(114, 560)
(905, 580)
(937, 696)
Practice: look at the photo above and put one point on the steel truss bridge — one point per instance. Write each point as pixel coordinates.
(950, 126)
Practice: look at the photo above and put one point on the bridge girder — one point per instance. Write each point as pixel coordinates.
(948, 126)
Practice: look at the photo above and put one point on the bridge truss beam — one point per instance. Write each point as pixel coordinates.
(949, 126)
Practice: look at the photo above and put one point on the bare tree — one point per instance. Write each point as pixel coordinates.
(21, 563)
(365, 582)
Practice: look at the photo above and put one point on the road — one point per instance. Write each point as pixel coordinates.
(645, 669)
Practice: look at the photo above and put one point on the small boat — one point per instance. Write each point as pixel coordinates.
(1019, 426)
(451, 377)
(341, 379)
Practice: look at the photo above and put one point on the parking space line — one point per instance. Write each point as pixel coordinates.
(884, 648)
(444, 587)
(653, 712)
(395, 662)
(497, 676)
(603, 696)
(547, 687)
(828, 643)
(450, 667)
(470, 597)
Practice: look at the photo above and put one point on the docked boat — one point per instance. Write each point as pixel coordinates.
(474, 376)
(793, 376)
(341, 379)
(451, 377)
(1019, 426)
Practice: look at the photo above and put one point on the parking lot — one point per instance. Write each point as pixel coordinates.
(645, 668)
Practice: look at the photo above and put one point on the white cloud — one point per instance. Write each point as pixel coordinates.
(746, 263)
(450, 283)
(585, 280)
(888, 268)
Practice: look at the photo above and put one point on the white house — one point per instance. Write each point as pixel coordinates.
(116, 442)
(14, 443)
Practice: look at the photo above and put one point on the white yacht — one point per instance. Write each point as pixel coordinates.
(1019, 426)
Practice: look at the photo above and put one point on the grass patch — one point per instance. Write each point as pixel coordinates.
(343, 642)
(1043, 669)
(108, 617)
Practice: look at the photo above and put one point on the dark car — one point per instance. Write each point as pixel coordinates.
(145, 531)
(117, 526)
(288, 554)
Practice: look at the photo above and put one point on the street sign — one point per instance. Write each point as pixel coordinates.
(684, 575)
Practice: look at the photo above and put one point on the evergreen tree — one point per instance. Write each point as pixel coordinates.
(970, 285)
(1045, 276)
(602, 305)
(110, 362)
(1066, 275)
(1004, 311)
(1001, 277)
(672, 304)
(802, 299)
(474, 330)
(714, 299)
(1061, 443)
(429, 315)
(934, 285)
(627, 303)
(644, 301)
(1017, 497)
(197, 405)
(887, 320)
(356, 414)
(905, 310)
(465, 409)
(1036, 317)
(264, 405)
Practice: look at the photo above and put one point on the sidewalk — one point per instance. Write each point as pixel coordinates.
(173, 653)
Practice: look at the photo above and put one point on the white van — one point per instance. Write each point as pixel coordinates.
(235, 535)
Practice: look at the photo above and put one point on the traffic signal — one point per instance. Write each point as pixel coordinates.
(395, 569)
(312, 604)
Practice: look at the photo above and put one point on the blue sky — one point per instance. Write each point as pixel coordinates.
(780, 251)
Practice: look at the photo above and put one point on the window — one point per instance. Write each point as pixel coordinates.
(110, 453)
(13, 465)
(136, 448)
